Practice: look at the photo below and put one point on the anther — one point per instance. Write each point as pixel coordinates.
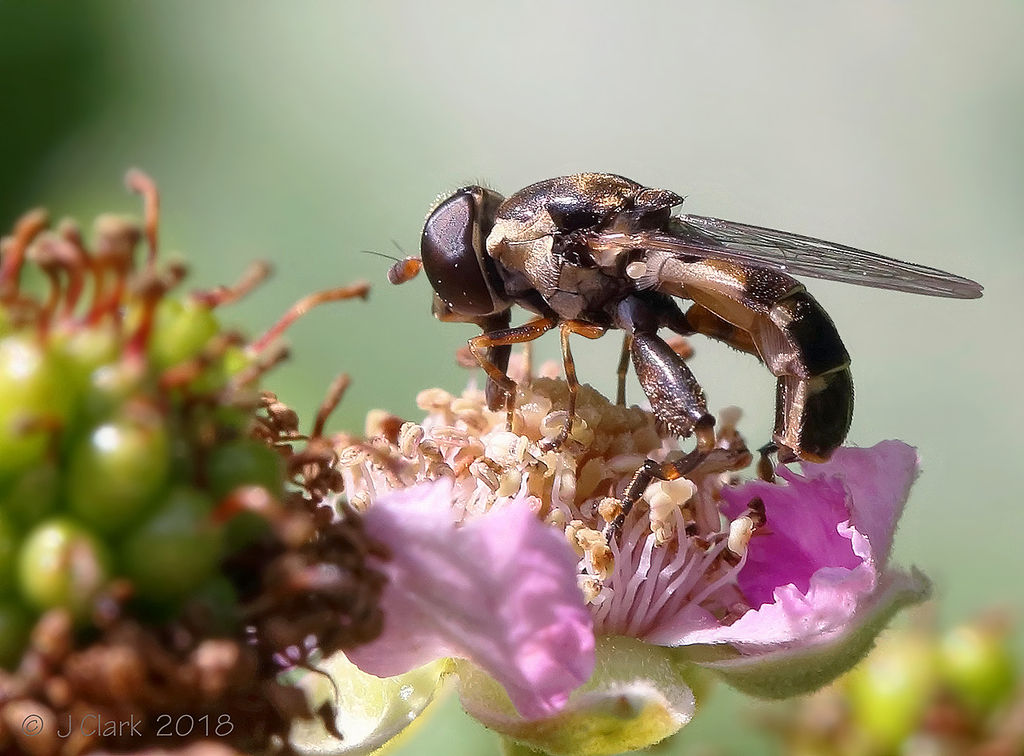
(409, 437)
(609, 509)
(740, 531)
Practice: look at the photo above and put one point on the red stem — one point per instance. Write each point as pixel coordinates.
(304, 305)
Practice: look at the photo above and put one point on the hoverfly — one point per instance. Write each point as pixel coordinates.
(595, 251)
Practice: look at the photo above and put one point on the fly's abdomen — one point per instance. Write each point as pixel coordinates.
(814, 396)
(813, 415)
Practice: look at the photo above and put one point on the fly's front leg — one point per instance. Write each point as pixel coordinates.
(497, 356)
(590, 332)
(620, 394)
(481, 346)
(494, 393)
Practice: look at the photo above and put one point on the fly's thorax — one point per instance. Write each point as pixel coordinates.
(569, 203)
(526, 264)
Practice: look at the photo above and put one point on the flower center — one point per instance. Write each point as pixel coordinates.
(675, 559)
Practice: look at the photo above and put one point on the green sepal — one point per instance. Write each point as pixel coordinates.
(638, 695)
(784, 672)
(370, 711)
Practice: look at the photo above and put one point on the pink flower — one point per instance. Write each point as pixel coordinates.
(775, 587)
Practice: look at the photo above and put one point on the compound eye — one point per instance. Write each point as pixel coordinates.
(453, 254)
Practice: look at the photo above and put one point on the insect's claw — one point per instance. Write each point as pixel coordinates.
(765, 467)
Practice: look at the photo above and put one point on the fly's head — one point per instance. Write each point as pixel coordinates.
(465, 279)
(467, 282)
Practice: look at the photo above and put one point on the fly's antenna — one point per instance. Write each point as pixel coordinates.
(404, 269)
(385, 255)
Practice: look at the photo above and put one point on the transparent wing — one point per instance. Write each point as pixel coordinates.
(796, 255)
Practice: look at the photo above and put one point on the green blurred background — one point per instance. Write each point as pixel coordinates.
(304, 133)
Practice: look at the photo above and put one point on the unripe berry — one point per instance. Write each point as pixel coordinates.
(62, 564)
(975, 661)
(117, 470)
(176, 549)
(34, 398)
(889, 690)
(180, 331)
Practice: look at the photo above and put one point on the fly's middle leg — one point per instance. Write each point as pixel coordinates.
(698, 462)
(648, 472)
(591, 332)
(623, 369)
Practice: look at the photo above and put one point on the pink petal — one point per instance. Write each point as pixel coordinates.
(809, 519)
(499, 589)
(878, 480)
(815, 564)
(784, 670)
(826, 608)
(802, 535)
